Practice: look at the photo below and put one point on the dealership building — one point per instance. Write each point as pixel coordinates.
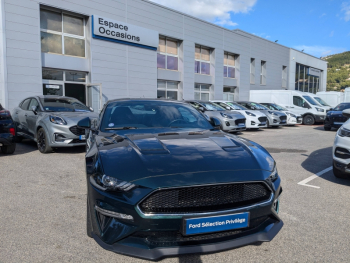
(100, 50)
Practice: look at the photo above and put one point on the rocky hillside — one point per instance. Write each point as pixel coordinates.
(338, 71)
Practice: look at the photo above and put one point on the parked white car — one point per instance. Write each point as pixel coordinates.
(292, 117)
(296, 101)
(254, 119)
(341, 149)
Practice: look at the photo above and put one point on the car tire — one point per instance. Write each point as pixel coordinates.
(8, 149)
(43, 142)
(326, 128)
(268, 124)
(309, 120)
(88, 219)
(19, 138)
(340, 174)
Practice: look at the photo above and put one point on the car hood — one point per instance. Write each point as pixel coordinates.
(74, 116)
(182, 158)
(278, 113)
(335, 114)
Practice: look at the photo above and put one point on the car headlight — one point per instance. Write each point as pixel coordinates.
(250, 114)
(319, 109)
(273, 113)
(342, 132)
(291, 115)
(108, 183)
(57, 120)
(225, 115)
(274, 175)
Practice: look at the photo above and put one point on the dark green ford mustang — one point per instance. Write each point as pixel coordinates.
(163, 180)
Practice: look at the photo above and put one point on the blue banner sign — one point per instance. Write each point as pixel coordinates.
(215, 223)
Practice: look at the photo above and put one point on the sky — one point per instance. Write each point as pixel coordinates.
(319, 27)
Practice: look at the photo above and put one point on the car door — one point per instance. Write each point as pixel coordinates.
(31, 117)
(299, 105)
(21, 118)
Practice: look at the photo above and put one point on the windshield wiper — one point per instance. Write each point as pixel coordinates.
(121, 128)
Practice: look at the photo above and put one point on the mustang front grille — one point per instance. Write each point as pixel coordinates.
(77, 131)
(201, 199)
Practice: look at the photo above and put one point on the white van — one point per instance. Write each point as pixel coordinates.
(296, 101)
(332, 98)
(319, 101)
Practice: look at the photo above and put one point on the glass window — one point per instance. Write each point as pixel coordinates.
(50, 20)
(53, 89)
(167, 89)
(73, 25)
(52, 74)
(263, 73)
(51, 43)
(75, 76)
(25, 104)
(229, 65)
(342, 106)
(284, 76)
(63, 104)
(252, 71)
(310, 100)
(300, 102)
(297, 70)
(52, 32)
(202, 60)
(167, 57)
(228, 94)
(321, 101)
(33, 102)
(202, 92)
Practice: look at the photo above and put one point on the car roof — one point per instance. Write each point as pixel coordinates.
(146, 99)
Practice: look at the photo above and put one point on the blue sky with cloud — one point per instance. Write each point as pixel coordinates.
(320, 27)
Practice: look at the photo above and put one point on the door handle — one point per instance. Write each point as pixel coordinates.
(25, 115)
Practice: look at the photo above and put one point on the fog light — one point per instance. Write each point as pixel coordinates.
(274, 121)
(113, 214)
(59, 137)
(227, 123)
(252, 123)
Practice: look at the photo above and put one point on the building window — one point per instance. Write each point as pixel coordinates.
(305, 82)
(284, 76)
(252, 71)
(202, 60)
(167, 89)
(62, 33)
(64, 83)
(201, 91)
(167, 56)
(263, 73)
(229, 65)
(229, 94)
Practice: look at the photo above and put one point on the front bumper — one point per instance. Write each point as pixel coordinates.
(254, 122)
(230, 125)
(157, 236)
(320, 118)
(6, 139)
(332, 122)
(341, 160)
(294, 121)
(62, 136)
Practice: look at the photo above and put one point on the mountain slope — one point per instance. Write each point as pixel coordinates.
(338, 75)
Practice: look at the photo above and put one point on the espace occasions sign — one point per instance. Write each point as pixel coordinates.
(120, 32)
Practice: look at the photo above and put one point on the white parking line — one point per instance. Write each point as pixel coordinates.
(312, 177)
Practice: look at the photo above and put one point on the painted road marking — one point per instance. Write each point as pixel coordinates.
(312, 177)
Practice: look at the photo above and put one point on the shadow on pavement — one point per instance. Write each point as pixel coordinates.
(192, 258)
(26, 146)
(320, 128)
(70, 150)
(320, 160)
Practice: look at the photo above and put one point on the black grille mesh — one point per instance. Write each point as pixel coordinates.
(283, 118)
(262, 119)
(77, 131)
(202, 199)
(240, 121)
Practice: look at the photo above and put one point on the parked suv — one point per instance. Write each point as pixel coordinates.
(335, 118)
(230, 121)
(7, 132)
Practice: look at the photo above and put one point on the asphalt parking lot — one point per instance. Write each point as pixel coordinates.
(43, 205)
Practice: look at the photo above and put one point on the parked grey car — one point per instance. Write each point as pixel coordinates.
(51, 121)
(274, 118)
(230, 120)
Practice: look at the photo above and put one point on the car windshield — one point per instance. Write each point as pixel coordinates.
(236, 106)
(212, 107)
(310, 100)
(278, 107)
(342, 106)
(321, 101)
(63, 104)
(151, 114)
(256, 106)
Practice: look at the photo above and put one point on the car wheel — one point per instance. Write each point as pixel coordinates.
(340, 174)
(309, 120)
(18, 138)
(268, 124)
(88, 219)
(8, 149)
(42, 141)
(326, 128)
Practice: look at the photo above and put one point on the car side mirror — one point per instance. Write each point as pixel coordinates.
(346, 113)
(215, 122)
(35, 109)
(201, 109)
(228, 108)
(91, 109)
(84, 123)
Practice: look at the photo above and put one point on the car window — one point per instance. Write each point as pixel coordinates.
(300, 102)
(25, 104)
(321, 101)
(269, 106)
(151, 114)
(236, 106)
(35, 103)
(342, 106)
(310, 100)
(60, 104)
(212, 107)
(257, 106)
